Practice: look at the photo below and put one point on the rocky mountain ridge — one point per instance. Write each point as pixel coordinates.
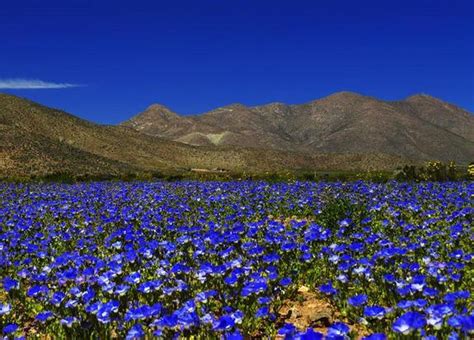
(420, 127)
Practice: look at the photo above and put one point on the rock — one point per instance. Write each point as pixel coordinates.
(285, 312)
(303, 289)
(295, 313)
(320, 319)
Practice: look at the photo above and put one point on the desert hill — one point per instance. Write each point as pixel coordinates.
(420, 127)
(36, 140)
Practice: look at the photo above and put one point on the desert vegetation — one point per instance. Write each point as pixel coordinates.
(237, 259)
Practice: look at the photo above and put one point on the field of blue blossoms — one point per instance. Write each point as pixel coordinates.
(218, 259)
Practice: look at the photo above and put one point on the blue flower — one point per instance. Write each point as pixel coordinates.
(238, 316)
(375, 336)
(358, 300)
(225, 323)
(10, 328)
(231, 280)
(136, 332)
(5, 308)
(262, 312)
(170, 320)
(57, 298)
(93, 308)
(36, 291)
(204, 296)
(253, 288)
(306, 257)
(409, 322)
(44, 316)
(288, 330)
(133, 278)
(105, 309)
(467, 324)
(454, 296)
(158, 333)
(419, 303)
(328, 289)
(236, 335)
(71, 303)
(338, 329)
(68, 321)
(454, 336)
(430, 292)
(310, 334)
(9, 284)
(405, 304)
(429, 337)
(271, 258)
(375, 312)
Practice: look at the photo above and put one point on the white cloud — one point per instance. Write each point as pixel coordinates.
(32, 84)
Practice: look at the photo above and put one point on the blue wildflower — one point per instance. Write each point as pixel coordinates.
(310, 334)
(10, 328)
(44, 316)
(224, 323)
(328, 289)
(136, 332)
(358, 300)
(375, 312)
(375, 336)
(5, 308)
(133, 278)
(69, 321)
(409, 322)
(288, 330)
(262, 312)
(254, 288)
(236, 335)
(9, 284)
(338, 329)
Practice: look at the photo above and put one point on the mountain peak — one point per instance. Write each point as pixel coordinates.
(157, 112)
(345, 94)
(226, 109)
(342, 97)
(153, 114)
(234, 106)
(159, 108)
(271, 105)
(422, 96)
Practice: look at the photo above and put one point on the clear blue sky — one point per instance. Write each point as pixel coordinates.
(199, 54)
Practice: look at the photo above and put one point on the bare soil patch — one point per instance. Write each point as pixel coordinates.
(308, 310)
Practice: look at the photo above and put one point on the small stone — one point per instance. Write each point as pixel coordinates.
(320, 319)
(303, 289)
(285, 312)
(295, 312)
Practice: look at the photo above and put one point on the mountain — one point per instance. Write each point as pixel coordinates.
(420, 127)
(37, 140)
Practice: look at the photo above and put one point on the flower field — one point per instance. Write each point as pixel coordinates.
(222, 259)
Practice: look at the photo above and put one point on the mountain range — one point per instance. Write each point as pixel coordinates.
(345, 131)
(419, 128)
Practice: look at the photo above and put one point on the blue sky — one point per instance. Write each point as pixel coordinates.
(193, 56)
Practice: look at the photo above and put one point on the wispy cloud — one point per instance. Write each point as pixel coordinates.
(32, 84)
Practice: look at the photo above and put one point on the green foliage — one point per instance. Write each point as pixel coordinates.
(338, 209)
(375, 176)
(434, 171)
(470, 171)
